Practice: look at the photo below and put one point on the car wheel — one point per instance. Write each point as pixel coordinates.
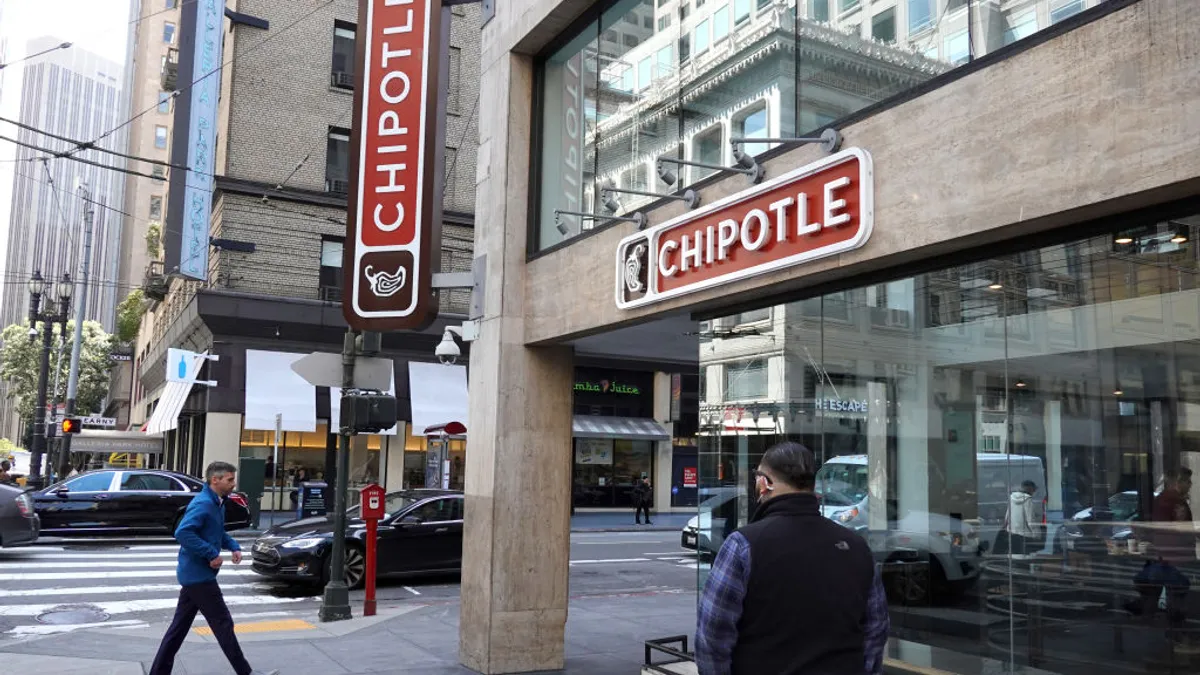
(355, 568)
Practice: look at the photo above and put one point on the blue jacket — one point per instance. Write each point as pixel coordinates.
(201, 536)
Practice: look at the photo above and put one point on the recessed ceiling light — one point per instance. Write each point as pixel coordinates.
(1021, 384)
(1178, 239)
(1124, 239)
(995, 287)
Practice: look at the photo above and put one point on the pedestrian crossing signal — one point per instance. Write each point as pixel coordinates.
(71, 425)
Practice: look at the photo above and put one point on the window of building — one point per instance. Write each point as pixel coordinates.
(330, 279)
(708, 148)
(164, 102)
(741, 10)
(746, 380)
(159, 172)
(958, 47)
(883, 25)
(343, 55)
(645, 72)
(685, 10)
(720, 22)
(156, 203)
(752, 123)
(685, 48)
(171, 4)
(648, 22)
(699, 4)
(847, 5)
(753, 316)
(702, 37)
(763, 4)
(337, 161)
(664, 22)
(169, 33)
(818, 10)
(630, 40)
(1020, 27)
(920, 14)
(160, 137)
(1064, 8)
(606, 469)
(453, 92)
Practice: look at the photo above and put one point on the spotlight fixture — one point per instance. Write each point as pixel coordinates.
(689, 196)
(830, 140)
(636, 217)
(754, 173)
(1021, 384)
(609, 200)
(1123, 240)
(664, 174)
(1117, 390)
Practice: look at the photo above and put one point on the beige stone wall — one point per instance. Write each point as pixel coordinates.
(1100, 120)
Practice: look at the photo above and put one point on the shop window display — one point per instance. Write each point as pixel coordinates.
(1013, 437)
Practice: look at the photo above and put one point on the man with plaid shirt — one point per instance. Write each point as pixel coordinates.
(792, 593)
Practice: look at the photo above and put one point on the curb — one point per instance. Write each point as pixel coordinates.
(654, 528)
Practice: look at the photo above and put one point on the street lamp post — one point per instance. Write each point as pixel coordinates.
(38, 288)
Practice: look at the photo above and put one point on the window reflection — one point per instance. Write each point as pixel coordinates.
(1012, 437)
(651, 78)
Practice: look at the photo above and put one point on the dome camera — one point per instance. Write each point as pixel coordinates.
(448, 350)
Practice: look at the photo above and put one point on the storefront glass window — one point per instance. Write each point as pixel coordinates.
(635, 85)
(1065, 378)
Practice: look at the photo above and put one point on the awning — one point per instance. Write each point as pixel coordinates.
(132, 442)
(438, 394)
(166, 414)
(273, 388)
(627, 428)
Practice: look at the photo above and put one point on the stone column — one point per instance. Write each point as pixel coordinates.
(516, 540)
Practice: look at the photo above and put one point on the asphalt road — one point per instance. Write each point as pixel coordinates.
(64, 585)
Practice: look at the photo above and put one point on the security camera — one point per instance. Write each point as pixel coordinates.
(448, 350)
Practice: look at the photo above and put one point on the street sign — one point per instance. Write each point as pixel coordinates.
(394, 208)
(323, 369)
(90, 420)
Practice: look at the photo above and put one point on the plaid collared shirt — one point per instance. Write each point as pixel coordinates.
(721, 609)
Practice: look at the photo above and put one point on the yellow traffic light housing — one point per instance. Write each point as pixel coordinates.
(71, 425)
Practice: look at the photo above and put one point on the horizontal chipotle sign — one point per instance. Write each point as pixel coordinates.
(815, 211)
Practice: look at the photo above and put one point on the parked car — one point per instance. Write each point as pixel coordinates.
(19, 523)
(421, 534)
(134, 501)
(705, 532)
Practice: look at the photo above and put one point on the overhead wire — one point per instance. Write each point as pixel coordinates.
(59, 155)
(64, 45)
(86, 145)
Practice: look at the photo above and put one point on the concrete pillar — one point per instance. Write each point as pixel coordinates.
(664, 451)
(516, 540)
(222, 437)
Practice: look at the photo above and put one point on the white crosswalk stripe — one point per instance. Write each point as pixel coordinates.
(126, 584)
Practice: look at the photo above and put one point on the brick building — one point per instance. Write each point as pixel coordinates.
(277, 227)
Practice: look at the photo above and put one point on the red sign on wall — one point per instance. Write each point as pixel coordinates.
(395, 184)
(689, 476)
(812, 212)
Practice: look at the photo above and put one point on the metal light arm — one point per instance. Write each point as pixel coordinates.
(689, 196)
(755, 174)
(830, 140)
(637, 217)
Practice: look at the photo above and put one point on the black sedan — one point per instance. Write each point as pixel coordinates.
(19, 524)
(133, 501)
(421, 534)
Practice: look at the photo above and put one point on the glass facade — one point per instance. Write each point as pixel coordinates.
(1060, 383)
(649, 80)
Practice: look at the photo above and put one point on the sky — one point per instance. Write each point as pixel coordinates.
(99, 26)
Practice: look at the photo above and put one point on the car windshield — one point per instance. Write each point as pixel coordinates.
(393, 504)
(842, 484)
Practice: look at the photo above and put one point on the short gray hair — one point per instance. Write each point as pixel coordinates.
(792, 463)
(218, 469)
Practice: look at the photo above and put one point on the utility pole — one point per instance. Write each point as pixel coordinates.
(80, 311)
(335, 604)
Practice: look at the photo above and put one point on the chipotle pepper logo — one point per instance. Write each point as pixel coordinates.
(811, 212)
(383, 280)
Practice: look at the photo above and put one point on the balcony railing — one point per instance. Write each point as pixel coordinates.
(337, 186)
(330, 293)
(155, 284)
(341, 80)
(169, 76)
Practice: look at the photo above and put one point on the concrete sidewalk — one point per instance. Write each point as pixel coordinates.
(604, 636)
(581, 521)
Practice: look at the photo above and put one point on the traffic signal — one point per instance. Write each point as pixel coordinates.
(71, 425)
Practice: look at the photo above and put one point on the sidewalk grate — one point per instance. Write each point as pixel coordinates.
(72, 614)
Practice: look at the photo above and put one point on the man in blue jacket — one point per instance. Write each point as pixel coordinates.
(201, 535)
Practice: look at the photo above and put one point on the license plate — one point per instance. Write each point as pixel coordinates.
(689, 538)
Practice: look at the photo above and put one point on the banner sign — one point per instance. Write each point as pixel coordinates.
(395, 195)
(815, 211)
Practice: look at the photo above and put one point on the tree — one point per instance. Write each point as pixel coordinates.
(20, 360)
(129, 316)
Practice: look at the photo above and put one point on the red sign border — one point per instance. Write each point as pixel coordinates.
(424, 309)
(652, 235)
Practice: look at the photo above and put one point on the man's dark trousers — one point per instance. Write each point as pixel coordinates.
(207, 599)
(642, 508)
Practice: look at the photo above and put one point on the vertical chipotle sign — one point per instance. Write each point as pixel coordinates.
(811, 212)
(393, 206)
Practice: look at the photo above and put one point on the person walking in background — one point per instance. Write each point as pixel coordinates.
(1172, 534)
(1020, 523)
(201, 535)
(792, 592)
(643, 497)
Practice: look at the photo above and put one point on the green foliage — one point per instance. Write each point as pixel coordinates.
(153, 239)
(20, 359)
(129, 316)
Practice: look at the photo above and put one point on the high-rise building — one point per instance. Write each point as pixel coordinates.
(75, 94)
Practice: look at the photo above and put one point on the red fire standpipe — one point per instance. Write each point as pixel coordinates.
(369, 601)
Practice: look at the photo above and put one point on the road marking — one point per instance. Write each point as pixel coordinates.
(124, 574)
(128, 606)
(263, 627)
(38, 629)
(94, 590)
(412, 590)
(91, 564)
(613, 543)
(110, 555)
(611, 560)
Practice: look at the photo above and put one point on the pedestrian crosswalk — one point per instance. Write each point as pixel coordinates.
(60, 587)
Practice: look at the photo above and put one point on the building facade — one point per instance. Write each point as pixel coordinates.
(989, 280)
(274, 284)
(78, 95)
